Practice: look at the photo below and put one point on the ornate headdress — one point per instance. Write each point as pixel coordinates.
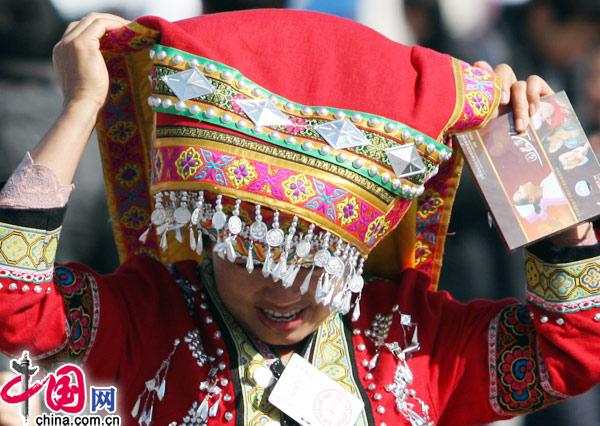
(291, 138)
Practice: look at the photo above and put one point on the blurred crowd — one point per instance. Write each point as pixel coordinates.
(557, 39)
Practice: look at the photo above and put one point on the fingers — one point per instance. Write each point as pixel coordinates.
(536, 88)
(508, 78)
(110, 21)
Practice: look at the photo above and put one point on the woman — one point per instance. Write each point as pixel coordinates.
(268, 156)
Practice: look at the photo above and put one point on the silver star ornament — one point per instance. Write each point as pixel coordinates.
(189, 84)
(405, 160)
(341, 134)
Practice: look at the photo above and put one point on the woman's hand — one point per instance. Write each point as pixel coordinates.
(522, 97)
(78, 62)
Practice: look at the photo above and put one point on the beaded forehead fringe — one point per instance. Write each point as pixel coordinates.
(280, 252)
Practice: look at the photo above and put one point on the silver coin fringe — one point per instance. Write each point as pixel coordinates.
(341, 263)
(403, 377)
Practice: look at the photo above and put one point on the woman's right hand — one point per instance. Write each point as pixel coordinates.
(78, 62)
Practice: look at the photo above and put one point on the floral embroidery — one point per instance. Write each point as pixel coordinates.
(122, 131)
(81, 303)
(135, 217)
(376, 228)
(188, 163)
(347, 210)
(298, 188)
(515, 380)
(478, 73)
(129, 174)
(241, 172)
(117, 89)
(299, 125)
(80, 330)
(568, 287)
(479, 103)
(325, 199)
(422, 252)
(429, 203)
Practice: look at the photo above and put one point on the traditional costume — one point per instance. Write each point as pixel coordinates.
(291, 139)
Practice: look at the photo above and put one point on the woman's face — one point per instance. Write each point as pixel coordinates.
(277, 315)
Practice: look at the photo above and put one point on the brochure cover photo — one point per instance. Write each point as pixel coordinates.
(538, 182)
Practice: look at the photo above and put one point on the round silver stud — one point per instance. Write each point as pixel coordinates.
(597, 317)
(194, 109)
(290, 139)
(430, 148)
(208, 320)
(361, 347)
(419, 140)
(226, 75)
(177, 59)
(381, 409)
(560, 321)
(151, 101)
(325, 150)
(220, 351)
(307, 146)
(161, 55)
(203, 306)
(258, 129)
(274, 99)
(396, 183)
(373, 170)
(382, 424)
(371, 387)
(368, 376)
(224, 382)
(358, 163)
(210, 68)
(390, 127)
(306, 111)
(241, 83)
(406, 189)
(341, 157)
(386, 177)
(389, 388)
(13, 287)
(152, 53)
(358, 331)
(365, 362)
(166, 103)
(222, 366)
(339, 115)
(180, 106)
(227, 397)
(356, 117)
(49, 290)
(406, 135)
(322, 111)
(377, 396)
(193, 63)
(37, 289)
(373, 122)
(289, 106)
(543, 319)
(242, 124)
(226, 118)
(228, 416)
(275, 135)
(210, 113)
(25, 288)
(217, 334)
(420, 190)
(257, 92)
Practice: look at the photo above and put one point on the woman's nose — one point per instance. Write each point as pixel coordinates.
(277, 294)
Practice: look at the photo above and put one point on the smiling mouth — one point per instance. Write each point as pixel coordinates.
(279, 317)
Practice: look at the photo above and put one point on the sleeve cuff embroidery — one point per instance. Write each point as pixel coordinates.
(564, 287)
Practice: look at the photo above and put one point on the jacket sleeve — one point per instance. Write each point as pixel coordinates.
(514, 358)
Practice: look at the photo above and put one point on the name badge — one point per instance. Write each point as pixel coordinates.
(311, 398)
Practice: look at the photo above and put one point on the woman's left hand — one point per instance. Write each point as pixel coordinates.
(520, 96)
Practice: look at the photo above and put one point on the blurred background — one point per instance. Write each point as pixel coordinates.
(557, 39)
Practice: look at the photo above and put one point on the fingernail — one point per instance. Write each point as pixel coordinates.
(505, 97)
(519, 125)
(531, 109)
